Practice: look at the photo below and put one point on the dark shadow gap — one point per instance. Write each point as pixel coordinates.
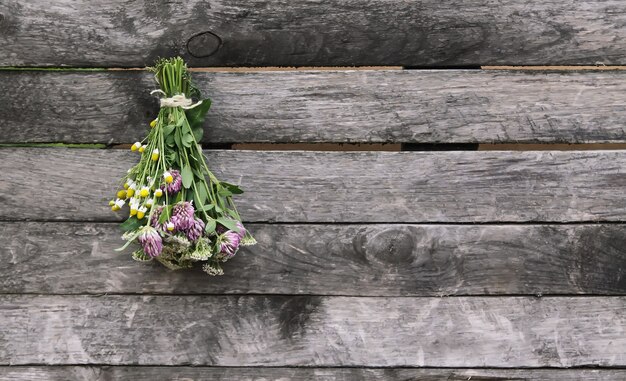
(390, 147)
(348, 147)
(440, 146)
(446, 67)
(217, 146)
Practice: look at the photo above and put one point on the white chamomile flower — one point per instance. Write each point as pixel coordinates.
(118, 204)
(134, 205)
(141, 212)
(167, 176)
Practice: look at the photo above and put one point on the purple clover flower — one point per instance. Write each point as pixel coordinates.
(229, 244)
(196, 230)
(183, 216)
(242, 230)
(151, 241)
(154, 221)
(176, 185)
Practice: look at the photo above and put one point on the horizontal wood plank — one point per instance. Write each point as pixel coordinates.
(151, 373)
(308, 33)
(358, 260)
(313, 331)
(296, 186)
(458, 106)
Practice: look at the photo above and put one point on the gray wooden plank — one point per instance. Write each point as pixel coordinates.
(357, 260)
(313, 331)
(297, 186)
(309, 33)
(151, 373)
(441, 106)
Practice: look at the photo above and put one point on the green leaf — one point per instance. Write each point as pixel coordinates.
(210, 226)
(198, 173)
(172, 156)
(234, 189)
(195, 118)
(201, 192)
(131, 224)
(178, 140)
(187, 140)
(167, 130)
(199, 198)
(232, 213)
(228, 224)
(170, 140)
(208, 207)
(198, 132)
(224, 192)
(179, 160)
(187, 176)
(165, 214)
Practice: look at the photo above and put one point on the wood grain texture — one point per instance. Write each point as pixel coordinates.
(313, 331)
(357, 260)
(296, 186)
(151, 373)
(309, 33)
(458, 106)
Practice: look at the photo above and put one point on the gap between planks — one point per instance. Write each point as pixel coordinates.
(359, 147)
(397, 147)
(245, 69)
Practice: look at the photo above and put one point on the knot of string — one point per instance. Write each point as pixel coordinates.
(178, 100)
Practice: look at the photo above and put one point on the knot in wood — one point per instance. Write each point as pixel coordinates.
(204, 44)
(391, 246)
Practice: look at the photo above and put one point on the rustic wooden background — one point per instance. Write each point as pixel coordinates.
(420, 257)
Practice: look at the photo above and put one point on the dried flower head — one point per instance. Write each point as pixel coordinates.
(150, 241)
(228, 244)
(182, 215)
(175, 185)
(195, 231)
(212, 269)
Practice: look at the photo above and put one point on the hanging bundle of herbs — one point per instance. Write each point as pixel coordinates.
(179, 212)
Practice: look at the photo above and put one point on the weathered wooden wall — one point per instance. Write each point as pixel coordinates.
(439, 265)
(321, 33)
(401, 106)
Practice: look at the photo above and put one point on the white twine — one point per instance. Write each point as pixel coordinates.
(178, 100)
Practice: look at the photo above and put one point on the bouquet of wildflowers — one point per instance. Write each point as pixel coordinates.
(179, 212)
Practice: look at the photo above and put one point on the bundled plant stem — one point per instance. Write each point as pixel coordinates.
(179, 212)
